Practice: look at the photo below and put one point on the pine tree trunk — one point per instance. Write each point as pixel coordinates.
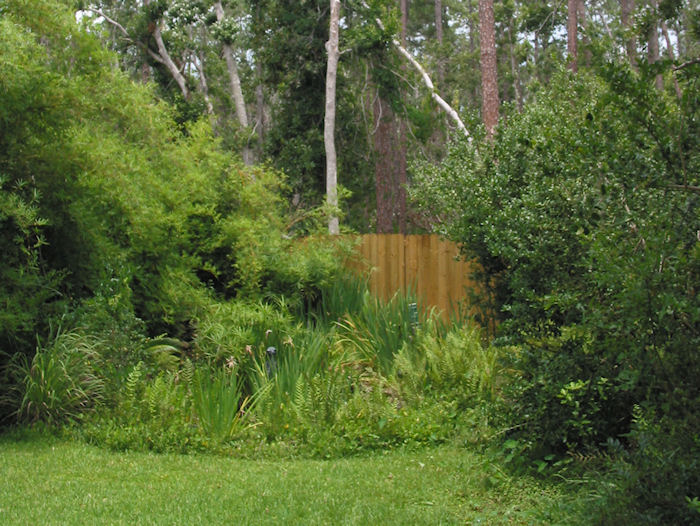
(489, 75)
(384, 165)
(572, 35)
(653, 51)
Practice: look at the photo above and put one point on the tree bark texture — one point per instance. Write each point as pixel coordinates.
(653, 50)
(439, 38)
(489, 75)
(329, 121)
(385, 165)
(572, 35)
(626, 13)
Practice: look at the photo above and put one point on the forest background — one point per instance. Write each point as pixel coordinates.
(160, 160)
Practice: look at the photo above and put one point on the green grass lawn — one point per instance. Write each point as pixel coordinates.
(51, 481)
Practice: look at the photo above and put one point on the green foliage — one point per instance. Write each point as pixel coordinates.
(579, 214)
(218, 403)
(112, 211)
(238, 330)
(657, 481)
(60, 382)
(377, 331)
(278, 379)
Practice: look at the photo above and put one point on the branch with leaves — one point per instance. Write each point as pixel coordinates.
(426, 80)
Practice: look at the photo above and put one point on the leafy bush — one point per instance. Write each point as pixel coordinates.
(580, 214)
(126, 223)
(657, 481)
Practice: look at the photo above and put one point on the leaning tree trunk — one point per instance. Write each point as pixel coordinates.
(451, 113)
(235, 81)
(329, 122)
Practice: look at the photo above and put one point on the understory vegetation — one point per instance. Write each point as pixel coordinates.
(158, 295)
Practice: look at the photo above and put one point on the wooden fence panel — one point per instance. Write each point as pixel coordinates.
(424, 264)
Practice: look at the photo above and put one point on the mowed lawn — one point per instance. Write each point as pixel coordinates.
(51, 481)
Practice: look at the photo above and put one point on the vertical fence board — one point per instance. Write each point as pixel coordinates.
(422, 264)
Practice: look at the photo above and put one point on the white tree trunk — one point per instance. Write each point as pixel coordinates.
(168, 62)
(235, 81)
(199, 64)
(329, 122)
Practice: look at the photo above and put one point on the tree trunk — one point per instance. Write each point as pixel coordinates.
(671, 56)
(572, 35)
(235, 81)
(329, 122)
(426, 80)
(514, 67)
(627, 12)
(653, 51)
(384, 166)
(167, 61)
(489, 75)
(439, 37)
(401, 168)
(199, 64)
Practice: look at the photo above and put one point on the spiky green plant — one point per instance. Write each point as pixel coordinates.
(345, 295)
(218, 403)
(378, 331)
(296, 360)
(59, 382)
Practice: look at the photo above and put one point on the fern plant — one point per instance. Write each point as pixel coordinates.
(457, 364)
(306, 357)
(317, 399)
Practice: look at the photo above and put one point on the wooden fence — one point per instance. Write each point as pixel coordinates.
(424, 264)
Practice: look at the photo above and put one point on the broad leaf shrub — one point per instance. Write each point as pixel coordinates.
(584, 214)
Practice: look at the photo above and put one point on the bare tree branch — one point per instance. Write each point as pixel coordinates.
(689, 187)
(686, 64)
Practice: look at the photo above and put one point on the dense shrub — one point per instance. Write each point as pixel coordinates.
(578, 211)
(584, 215)
(118, 220)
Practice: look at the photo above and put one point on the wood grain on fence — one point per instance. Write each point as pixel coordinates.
(423, 264)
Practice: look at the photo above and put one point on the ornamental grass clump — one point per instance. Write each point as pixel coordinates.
(59, 382)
